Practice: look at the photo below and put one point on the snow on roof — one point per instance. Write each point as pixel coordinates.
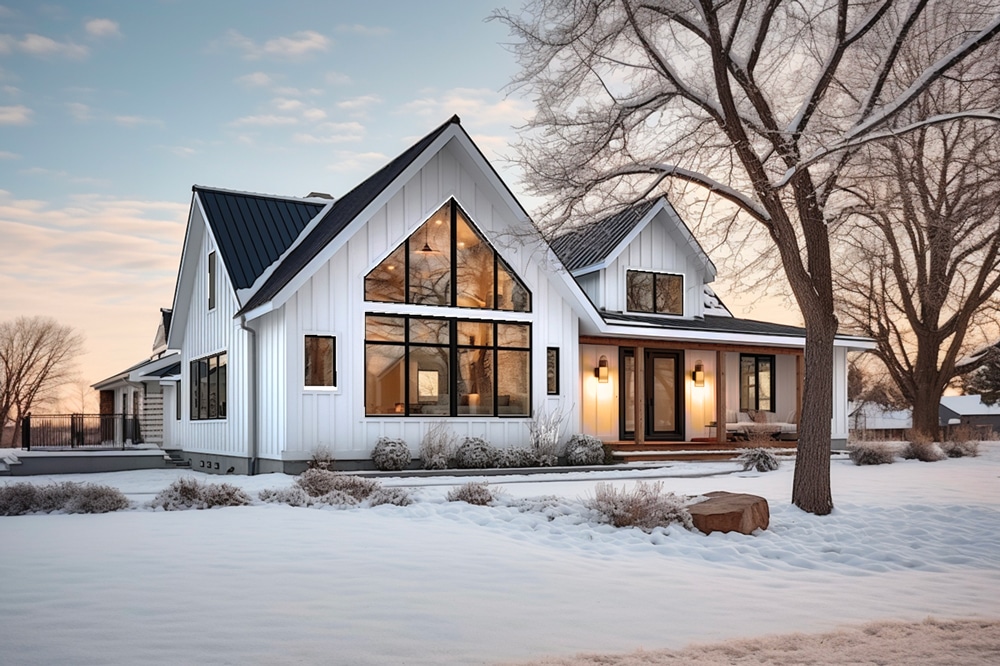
(969, 405)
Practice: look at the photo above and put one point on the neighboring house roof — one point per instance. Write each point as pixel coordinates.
(969, 405)
(341, 213)
(253, 230)
(721, 324)
(149, 368)
(869, 416)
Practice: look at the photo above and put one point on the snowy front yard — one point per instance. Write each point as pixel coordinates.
(439, 582)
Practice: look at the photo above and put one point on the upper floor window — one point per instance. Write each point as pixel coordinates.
(208, 387)
(756, 383)
(657, 293)
(320, 360)
(447, 262)
(211, 280)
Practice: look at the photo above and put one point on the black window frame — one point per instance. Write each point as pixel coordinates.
(772, 359)
(197, 401)
(212, 270)
(454, 374)
(632, 271)
(552, 370)
(305, 360)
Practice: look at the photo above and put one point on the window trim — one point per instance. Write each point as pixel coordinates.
(625, 307)
(554, 372)
(320, 387)
(213, 265)
(774, 371)
(194, 382)
(453, 353)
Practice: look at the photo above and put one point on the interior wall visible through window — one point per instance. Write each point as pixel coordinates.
(757, 383)
(320, 356)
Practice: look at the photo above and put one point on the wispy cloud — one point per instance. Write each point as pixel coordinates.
(136, 121)
(332, 133)
(338, 79)
(285, 104)
(265, 120)
(255, 80)
(7, 155)
(367, 30)
(12, 91)
(102, 27)
(79, 111)
(359, 103)
(59, 174)
(15, 115)
(313, 115)
(42, 47)
(478, 106)
(181, 151)
(348, 162)
(291, 47)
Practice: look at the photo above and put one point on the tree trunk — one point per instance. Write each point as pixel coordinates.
(811, 484)
(926, 405)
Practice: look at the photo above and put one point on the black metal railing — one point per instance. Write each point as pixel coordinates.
(79, 431)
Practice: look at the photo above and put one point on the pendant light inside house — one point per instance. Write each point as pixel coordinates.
(426, 249)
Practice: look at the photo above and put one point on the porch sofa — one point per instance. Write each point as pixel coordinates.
(739, 425)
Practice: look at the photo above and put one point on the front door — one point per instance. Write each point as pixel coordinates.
(663, 394)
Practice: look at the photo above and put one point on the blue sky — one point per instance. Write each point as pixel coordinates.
(110, 111)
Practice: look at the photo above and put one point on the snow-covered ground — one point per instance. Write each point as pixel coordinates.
(440, 582)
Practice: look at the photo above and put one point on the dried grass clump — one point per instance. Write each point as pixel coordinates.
(189, 493)
(922, 448)
(321, 459)
(475, 492)
(395, 496)
(645, 506)
(438, 446)
(966, 449)
(390, 455)
(758, 458)
(334, 488)
(316, 482)
(476, 453)
(871, 453)
(292, 496)
(584, 450)
(543, 432)
(17, 499)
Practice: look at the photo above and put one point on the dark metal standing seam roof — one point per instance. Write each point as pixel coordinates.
(251, 230)
(344, 210)
(708, 323)
(592, 243)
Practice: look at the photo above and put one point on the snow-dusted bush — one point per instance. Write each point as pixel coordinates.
(390, 455)
(871, 453)
(292, 496)
(475, 492)
(476, 453)
(338, 498)
(331, 487)
(758, 458)
(392, 495)
(316, 482)
(358, 487)
(961, 449)
(516, 457)
(584, 450)
(543, 431)
(645, 506)
(923, 449)
(20, 498)
(321, 459)
(438, 446)
(190, 493)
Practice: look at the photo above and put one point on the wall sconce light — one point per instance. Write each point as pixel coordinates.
(601, 371)
(699, 374)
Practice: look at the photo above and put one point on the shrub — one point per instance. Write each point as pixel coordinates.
(316, 482)
(390, 455)
(870, 453)
(758, 458)
(475, 492)
(476, 453)
(923, 449)
(437, 446)
(337, 498)
(645, 506)
(292, 496)
(396, 496)
(584, 450)
(321, 459)
(357, 487)
(323, 484)
(961, 449)
(516, 457)
(17, 499)
(189, 493)
(543, 432)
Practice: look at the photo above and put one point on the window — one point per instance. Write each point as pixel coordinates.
(657, 293)
(177, 401)
(211, 280)
(447, 262)
(208, 387)
(320, 360)
(420, 366)
(552, 371)
(756, 383)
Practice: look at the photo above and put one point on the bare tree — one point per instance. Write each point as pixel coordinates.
(985, 379)
(36, 358)
(760, 104)
(918, 269)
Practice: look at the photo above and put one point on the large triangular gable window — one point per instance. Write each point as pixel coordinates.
(447, 262)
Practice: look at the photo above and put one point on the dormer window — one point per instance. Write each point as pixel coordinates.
(211, 280)
(655, 293)
(447, 262)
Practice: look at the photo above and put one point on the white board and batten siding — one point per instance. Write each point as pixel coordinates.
(332, 302)
(209, 332)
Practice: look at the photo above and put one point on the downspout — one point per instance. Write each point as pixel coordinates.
(251, 397)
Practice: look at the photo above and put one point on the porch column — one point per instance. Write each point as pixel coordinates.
(720, 396)
(640, 395)
(800, 373)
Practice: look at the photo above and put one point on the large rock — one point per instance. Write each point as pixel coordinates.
(730, 512)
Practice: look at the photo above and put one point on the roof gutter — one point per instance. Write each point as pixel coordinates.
(252, 446)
